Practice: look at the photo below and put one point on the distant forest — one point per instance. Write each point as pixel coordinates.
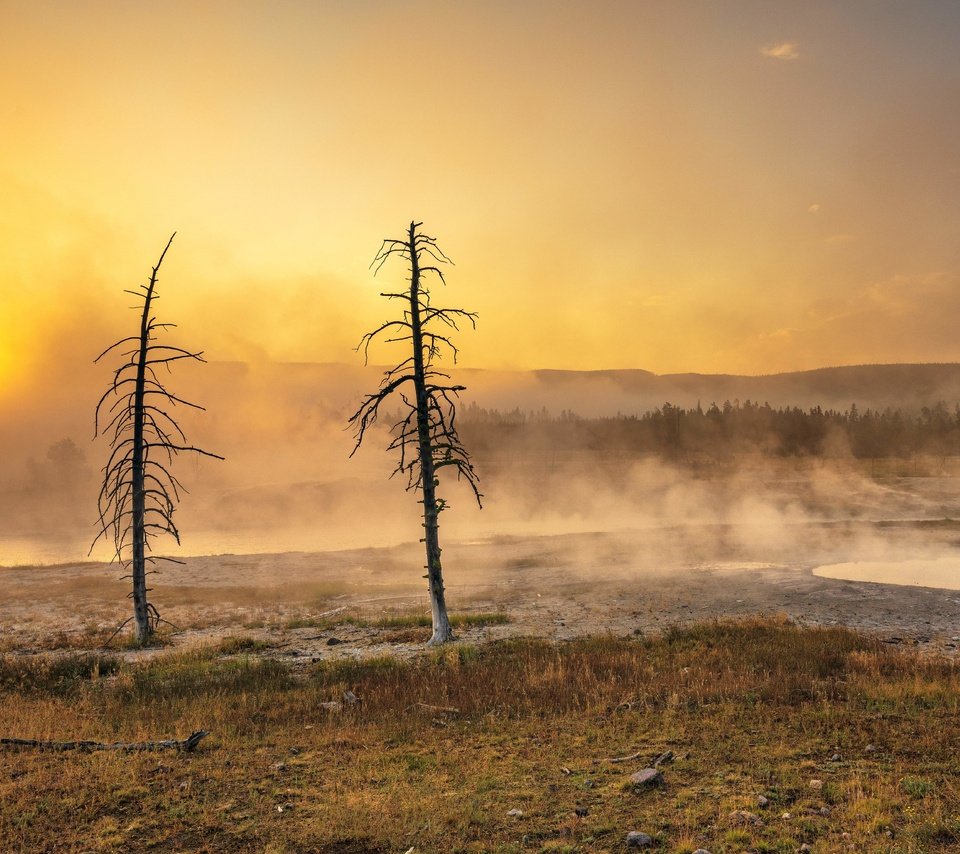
(721, 431)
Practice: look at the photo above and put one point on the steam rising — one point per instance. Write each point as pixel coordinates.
(288, 483)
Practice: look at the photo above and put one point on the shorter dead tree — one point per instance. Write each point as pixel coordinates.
(139, 492)
(425, 436)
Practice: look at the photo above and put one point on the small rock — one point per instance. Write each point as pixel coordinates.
(701, 851)
(870, 748)
(825, 811)
(296, 750)
(333, 641)
(816, 784)
(515, 813)
(787, 816)
(762, 801)
(350, 698)
(279, 766)
(646, 777)
(806, 847)
(845, 835)
(836, 757)
(588, 784)
(636, 839)
(745, 817)
(332, 706)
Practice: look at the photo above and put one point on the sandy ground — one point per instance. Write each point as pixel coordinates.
(558, 586)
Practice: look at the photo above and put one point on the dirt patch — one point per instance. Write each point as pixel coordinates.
(308, 607)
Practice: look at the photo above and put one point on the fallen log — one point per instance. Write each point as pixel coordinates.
(187, 745)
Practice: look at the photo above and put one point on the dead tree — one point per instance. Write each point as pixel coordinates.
(425, 436)
(139, 492)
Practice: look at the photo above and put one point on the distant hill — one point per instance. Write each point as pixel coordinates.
(333, 388)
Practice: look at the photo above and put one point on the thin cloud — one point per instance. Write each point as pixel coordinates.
(783, 50)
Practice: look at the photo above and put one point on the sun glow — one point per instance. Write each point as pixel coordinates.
(635, 208)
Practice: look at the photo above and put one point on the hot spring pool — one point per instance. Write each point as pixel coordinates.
(927, 572)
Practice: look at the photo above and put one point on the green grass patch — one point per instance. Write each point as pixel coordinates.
(55, 675)
(410, 621)
(240, 645)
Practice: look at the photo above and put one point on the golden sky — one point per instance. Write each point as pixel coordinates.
(678, 185)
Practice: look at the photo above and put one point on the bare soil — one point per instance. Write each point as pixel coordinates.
(311, 606)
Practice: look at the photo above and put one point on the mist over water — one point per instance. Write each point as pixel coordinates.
(289, 484)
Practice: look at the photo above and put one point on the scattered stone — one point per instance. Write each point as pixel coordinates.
(334, 641)
(279, 766)
(816, 784)
(588, 784)
(745, 817)
(332, 706)
(762, 801)
(296, 750)
(284, 807)
(806, 847)
(701, 851)
(825, 811)
(787, 816)
(636, 839)
(845, 835)
(870, 748)
(581, 812)
(836, 758)
(350, 698)
(646, 777)
(515, 813)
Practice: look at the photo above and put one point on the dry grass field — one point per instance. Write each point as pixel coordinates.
(851, 742)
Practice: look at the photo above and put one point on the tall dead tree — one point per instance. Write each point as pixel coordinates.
(139, 492)
(425, 436)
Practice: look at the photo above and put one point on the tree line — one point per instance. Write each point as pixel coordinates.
(724, 430)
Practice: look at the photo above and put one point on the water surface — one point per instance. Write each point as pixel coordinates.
(941, 572)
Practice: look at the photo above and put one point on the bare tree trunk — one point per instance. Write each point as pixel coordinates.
(138, 568)
(425, 434)
(428, 479)
(139, 493)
